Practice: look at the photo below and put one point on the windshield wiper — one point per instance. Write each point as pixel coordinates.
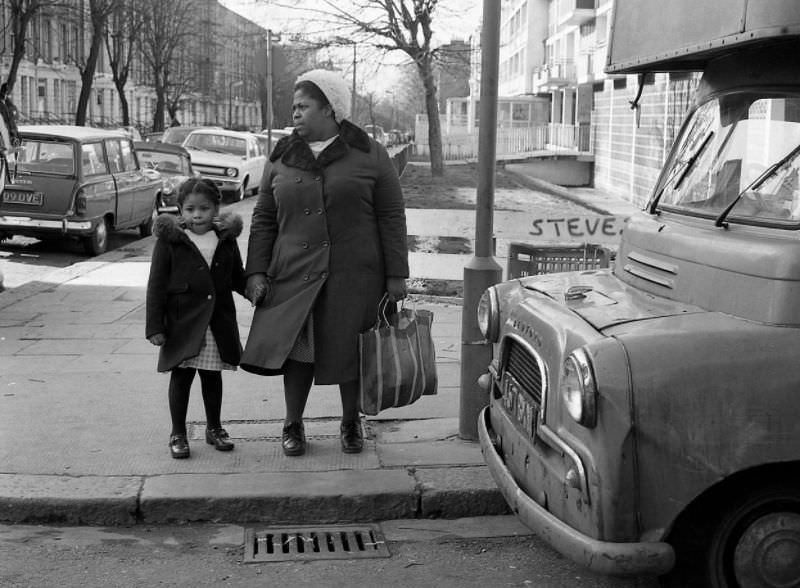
(681, 175)
(754, 185)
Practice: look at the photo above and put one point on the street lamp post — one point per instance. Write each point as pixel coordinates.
(231, 86)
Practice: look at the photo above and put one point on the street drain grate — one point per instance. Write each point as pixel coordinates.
(312, 543)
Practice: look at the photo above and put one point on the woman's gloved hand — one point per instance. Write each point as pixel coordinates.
(258, 289)
(396, 288)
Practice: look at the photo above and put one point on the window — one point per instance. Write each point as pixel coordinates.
(93, 159)
(114, 156)
(128, 158)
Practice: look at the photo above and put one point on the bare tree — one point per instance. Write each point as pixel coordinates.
(165, 40)
(21, 13)
(122, 34)
(396, 25)
(99, 12)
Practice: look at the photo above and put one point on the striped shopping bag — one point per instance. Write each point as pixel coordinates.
(397, 360)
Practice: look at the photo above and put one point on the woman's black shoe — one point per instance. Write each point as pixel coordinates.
(352, 437)
(179, 446)
(293, 439)
(219, 438)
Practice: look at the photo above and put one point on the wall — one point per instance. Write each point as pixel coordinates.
(630, 145)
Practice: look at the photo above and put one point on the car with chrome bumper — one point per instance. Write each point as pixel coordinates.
(172, 164)
(233, 160)
(79, 182)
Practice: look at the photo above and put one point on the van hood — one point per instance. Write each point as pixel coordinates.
(602, 299)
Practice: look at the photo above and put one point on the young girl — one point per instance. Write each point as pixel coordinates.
(190, 312)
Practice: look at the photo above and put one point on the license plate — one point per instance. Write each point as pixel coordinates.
(31, 198)
(520, 405)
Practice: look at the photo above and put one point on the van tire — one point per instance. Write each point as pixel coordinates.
(750, 539)
(97, 242)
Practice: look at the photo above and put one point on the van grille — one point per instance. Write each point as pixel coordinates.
(523, 366)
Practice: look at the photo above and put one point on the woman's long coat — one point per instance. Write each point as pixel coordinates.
(327, 232)
(185, 296)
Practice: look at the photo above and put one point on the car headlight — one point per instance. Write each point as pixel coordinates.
(231, 172)
(169, 186)
(489, 315)
(578, 389)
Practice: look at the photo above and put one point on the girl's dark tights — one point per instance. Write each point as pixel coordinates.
(180, 384)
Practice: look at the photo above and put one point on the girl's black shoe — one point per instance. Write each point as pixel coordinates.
(179, 446)
(293, 439)
(219, 438)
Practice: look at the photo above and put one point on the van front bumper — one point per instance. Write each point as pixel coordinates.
(602, 557)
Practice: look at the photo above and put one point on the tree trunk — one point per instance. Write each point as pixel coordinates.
(161, 102)
(87, 78)
(432, 109)
(123, 102)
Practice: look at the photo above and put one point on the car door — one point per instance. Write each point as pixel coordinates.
(134, 194)
(257, 159)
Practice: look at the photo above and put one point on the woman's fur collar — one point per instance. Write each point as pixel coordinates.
(170, 228)
(295, 152)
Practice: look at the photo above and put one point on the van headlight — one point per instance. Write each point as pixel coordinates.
(578, 389)
(489, 315)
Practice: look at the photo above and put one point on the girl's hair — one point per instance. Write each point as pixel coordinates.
(201, 186)
(311, 90)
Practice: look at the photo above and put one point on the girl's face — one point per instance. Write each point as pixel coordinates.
(310, 118)
(198, 213)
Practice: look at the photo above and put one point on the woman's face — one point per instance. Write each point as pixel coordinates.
(311, 119)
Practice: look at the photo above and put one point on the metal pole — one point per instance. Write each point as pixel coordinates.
(482, 270)
(353, 94)
(230, 103)
(269, 88)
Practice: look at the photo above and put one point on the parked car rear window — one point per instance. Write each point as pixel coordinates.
(47, 157)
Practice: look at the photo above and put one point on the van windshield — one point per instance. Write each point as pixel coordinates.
(727, 152)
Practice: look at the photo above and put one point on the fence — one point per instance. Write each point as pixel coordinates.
(510, 141)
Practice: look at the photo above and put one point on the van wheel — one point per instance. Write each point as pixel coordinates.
(146, 228)
(97, 242)
(753, 541)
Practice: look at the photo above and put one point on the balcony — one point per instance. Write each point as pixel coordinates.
(554, 75)
(575, 12)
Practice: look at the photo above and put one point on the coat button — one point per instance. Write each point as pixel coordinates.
(298, 180)
(323, 275)
(317, 178)
(305, 278)
(319, 211)
(209, 297)
(304, 245)
(324, 243)
(306, 211)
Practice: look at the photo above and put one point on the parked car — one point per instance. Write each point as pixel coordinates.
(132, 132)
(77, 182)
(277, 135)
(172, 165)
(154, 137)
(232, 159)
(376, 132)
(177, 135)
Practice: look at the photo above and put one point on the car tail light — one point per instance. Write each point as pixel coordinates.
(80, 202)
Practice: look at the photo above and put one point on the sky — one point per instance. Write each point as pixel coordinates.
(453, 19)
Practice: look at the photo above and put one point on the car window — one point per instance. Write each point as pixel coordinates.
(114, 156)
(128, 157)
(167, 162)
(41, 156)
(216, 143)
(93, 159)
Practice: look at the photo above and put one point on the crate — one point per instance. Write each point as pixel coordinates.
(527, 260)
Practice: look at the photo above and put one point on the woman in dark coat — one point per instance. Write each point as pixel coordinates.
(328, 239)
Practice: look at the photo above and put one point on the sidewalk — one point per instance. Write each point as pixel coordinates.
(84, 422)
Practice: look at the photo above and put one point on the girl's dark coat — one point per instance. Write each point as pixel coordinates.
(185, 296)
(327, 231)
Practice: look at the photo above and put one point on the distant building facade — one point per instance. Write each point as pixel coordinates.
(223, 53)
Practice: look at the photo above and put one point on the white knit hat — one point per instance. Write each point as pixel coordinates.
(333, 86)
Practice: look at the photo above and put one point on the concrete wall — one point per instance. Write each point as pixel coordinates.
(630, 145)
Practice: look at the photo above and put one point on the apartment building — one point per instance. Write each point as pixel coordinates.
(626, 124)
(223, 55)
